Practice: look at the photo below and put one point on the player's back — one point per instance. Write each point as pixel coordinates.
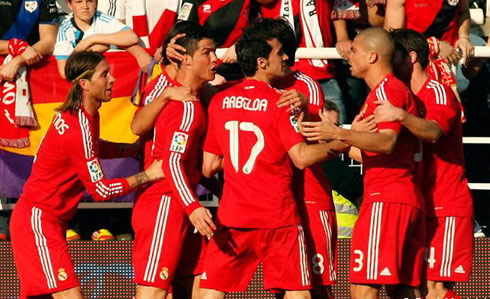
(253, 136)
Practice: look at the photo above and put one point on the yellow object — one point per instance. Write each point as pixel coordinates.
(102, 235)
(346, 213)
(72, 235)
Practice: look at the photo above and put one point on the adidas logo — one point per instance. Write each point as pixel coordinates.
(204, 276)
(459, 270)
(385, 272)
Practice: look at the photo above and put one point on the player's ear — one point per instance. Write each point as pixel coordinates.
(373, 57)
(84, 84)
(413, 56)
(261, 62)
(187, 60)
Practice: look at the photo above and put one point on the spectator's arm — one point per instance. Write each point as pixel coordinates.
(142, 57)
(47, 39)
(464, 43)
(344, 43)
(395, 14)
(4, 47)
(123, 39)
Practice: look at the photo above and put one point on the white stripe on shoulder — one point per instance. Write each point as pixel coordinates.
(313, 88)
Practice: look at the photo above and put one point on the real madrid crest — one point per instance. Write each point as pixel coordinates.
(30, 6)
(453, 2)
(62, 276)
(164, 273)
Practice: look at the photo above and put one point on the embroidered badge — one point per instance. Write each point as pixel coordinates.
(30, 6)
(453, 2)
(95, 170)
(164, 273)
(62, 276)
(185, 11)
(179, 142)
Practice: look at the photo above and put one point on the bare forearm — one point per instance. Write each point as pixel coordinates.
(144, 119)
(4, 47)
(395, 14)
(372, 142)
(316, 153)
(340, 30)
(464, 19)
(124, 39)
(422, 128)
(138, 179)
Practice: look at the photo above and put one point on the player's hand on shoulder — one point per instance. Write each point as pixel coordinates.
(292, 98)
(155, 171)
(202, 220)
(367, 124)
(385, 112)
(179, 93)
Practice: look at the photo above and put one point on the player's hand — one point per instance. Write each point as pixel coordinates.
(155, 171)
(84, 44)
(292, 98)
(449, 53)
(320, 130)
(143, 61)
(179, 93)
(158, 56)
(202, 220)
(386, 112)
(31, 55)
(367, 124)
(173, 51)
(9, 71)
(467, 49)
(343, 47)
(230, 55)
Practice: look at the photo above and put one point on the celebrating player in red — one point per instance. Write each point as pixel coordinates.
(253, 140)
(160, 214)
(442, 174)
(392, 213)
(66, 165)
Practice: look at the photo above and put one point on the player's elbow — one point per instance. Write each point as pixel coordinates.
(388, 148)
(301, 162)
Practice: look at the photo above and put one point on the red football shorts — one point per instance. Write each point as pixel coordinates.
(388, 244)
(449, 252)
(321, 243)
(40, 251)
(193, 253)
(160, 226)
(233, 255)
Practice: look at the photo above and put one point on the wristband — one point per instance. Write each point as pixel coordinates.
(17, 46)
(465, 37)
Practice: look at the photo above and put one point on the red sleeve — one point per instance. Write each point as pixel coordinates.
(210, 143)
(175, 135)
(442, 107)
(287, 126)
(87, 165)
(398, 98)
(316, 98)
(153, 89)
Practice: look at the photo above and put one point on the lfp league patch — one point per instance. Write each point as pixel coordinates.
(179, 142)
(95, 170)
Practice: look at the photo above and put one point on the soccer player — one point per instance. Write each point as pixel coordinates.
(392, 213)
(253, 141)
(163, 214)
(442, 177)
(66, 165)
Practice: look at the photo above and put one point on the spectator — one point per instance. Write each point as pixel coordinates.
(447, 20)
(89, 29)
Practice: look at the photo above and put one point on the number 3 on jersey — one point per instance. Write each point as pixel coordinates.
(234, 127)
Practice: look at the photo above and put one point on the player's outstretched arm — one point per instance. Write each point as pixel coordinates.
(422, 128)
(145, 118)
(305, 155)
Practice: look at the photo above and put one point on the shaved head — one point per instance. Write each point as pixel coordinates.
(379, 41)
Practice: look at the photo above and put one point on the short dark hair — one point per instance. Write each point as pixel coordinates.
(411, 40)
(177, 28)
(80, 65)
(193, 34)
(253, 43)
(330, 106)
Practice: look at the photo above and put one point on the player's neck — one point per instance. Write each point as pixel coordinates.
(376, 74)
(84, 26)
(188, 79)
(91, 105)
(419, 76)
(261, 76)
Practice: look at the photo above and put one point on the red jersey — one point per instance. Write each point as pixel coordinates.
(253, 136)
(390, 178)
(444, 182)
(177, 140)
(151, 91)
(317, 190)
(311, 22)
(437, 18)
(66, 164)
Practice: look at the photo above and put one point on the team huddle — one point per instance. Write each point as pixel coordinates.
(268, 134)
